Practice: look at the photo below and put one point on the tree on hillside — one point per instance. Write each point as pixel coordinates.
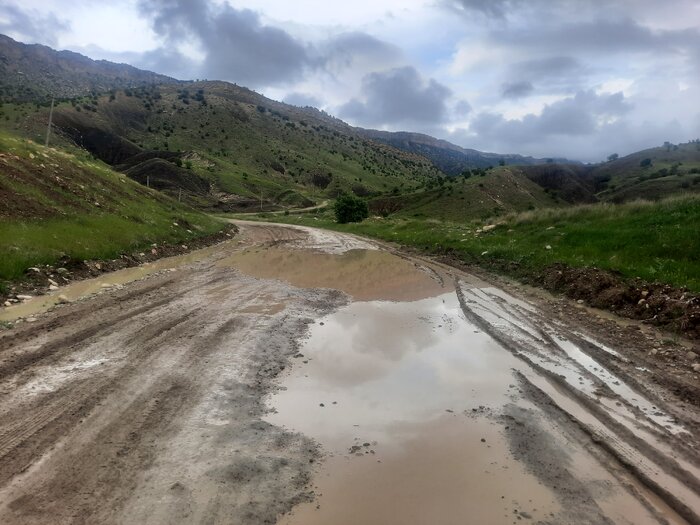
(613, 157)
(349, 208)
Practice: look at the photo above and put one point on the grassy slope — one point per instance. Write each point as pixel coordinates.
(669, 173)
(49, 209)
(244, 149)
(655, 241)
(501, 191)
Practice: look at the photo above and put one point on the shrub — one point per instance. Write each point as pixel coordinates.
(350, 209)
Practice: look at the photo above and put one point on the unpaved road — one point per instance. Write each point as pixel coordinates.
(430, 395)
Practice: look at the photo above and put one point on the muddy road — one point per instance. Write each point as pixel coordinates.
(300, 376)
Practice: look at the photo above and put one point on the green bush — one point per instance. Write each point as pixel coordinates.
(350, 209)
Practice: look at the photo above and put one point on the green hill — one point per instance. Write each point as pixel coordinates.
(491, 194)
(652, 173)
(242, 144)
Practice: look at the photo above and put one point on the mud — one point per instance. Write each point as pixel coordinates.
(674, 309)
(37, 281)
(300, 376)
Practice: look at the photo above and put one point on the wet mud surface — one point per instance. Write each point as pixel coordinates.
(299, 376)
(41, 282)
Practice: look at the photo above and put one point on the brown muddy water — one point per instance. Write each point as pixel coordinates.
(88, 287)
(418, 393)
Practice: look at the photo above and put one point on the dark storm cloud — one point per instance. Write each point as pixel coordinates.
(517, 89)
(577, 115)
(239, 47)
(302, 100)
(399, 96)
(31, 26)
(236, 44)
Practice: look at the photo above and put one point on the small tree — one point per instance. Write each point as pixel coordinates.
(613, 157)
(350, 209)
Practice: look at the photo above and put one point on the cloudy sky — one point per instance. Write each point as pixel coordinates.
(574, 78)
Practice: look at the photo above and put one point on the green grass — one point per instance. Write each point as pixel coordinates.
(63, 220)
(656, 241)
(500, 191)
(27, 244)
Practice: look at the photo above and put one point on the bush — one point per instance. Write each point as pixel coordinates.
(350, 209)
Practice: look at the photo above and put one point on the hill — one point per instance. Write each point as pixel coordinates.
(57, 205)
(449, 158)
(653, 173)
(235, 143)
(491, 194)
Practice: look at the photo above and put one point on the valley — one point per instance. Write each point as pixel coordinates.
(192, 330)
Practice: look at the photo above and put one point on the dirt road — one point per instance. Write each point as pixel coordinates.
(304, 376)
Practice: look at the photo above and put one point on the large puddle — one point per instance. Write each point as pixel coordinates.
(364, 274)
(405, 392)
(392, 391)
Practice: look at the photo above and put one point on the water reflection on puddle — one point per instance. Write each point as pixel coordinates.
(364, 274)
(400, 384)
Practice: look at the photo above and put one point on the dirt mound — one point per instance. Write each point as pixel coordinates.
(674, 308)
(105, 145)
(164, 175)
(147, 155)
(667, 307)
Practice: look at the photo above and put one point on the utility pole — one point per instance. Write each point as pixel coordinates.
(148, 181)
(179, 196)
(261, 199)
(48, 129)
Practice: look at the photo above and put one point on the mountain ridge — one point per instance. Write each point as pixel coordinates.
(451, 158)
(34, 71)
